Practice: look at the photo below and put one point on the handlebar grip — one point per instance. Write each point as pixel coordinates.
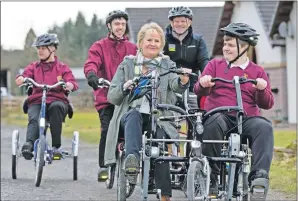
(179, 71)
(254, 82)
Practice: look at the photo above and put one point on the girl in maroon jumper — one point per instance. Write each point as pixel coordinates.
(238, 37)
(48, 70)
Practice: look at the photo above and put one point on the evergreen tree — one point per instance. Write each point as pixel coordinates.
(29, 51)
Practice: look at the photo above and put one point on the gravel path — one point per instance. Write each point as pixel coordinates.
(57, 183)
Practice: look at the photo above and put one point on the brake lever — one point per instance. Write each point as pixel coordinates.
(26, 84)
(64, 86)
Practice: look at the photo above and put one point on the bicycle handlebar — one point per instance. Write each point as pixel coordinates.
(177, 71)
(31, 81)
(103, 83)
(242, 80)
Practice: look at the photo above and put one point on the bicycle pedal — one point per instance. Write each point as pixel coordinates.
(258, 193)
(131, 171)
(211, 196)
(57, 157)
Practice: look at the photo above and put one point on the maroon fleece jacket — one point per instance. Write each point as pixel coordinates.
(49, 73)
(224, 94)
(104, 57)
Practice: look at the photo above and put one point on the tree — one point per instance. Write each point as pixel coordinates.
(29, 51)
(78, 40)
(93, 31)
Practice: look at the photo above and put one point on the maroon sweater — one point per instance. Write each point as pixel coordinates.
(104, 57)
(49, 73)
(224, 94)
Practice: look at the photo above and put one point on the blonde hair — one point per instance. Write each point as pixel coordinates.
(152, 26)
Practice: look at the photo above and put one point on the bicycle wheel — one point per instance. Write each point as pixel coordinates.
(40, 159)
(197, 181)
(111, 178)
(121, 181)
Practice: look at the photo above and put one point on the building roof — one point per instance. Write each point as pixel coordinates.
(225, 19)
(205, 21)
(282, 13)
(266, 10)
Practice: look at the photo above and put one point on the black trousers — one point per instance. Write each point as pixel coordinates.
(55, 114)
(257, 130)
(105, 116)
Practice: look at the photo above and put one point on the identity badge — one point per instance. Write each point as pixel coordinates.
(172, 48)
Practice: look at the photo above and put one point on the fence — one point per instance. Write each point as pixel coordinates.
(81, 102)
(85, 102)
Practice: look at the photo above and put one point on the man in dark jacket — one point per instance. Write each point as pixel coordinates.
(49, 70)
(103, 60)
(187, 49)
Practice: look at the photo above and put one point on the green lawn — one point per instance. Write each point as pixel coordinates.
(283, 169)
(87, 123)
(282, 138)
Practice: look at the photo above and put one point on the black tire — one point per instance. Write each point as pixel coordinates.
(245, 186)
(75, 168)
(110, 180)
(130, 189)
(41, 148)
(14, 167)
(124, 189)
(121, 185)
(195, 174)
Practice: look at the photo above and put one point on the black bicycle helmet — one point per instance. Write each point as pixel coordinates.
(180, 11)
(243, 32)
(46, 40)
(116, 14)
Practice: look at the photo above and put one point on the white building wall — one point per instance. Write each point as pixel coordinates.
(264, 51)
(291, 54)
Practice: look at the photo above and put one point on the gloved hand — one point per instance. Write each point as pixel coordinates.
(92, 80)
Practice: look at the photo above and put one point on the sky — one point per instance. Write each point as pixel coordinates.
(18, 17)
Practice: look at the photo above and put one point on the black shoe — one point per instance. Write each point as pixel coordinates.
(213, 190)
(27, 150)
(102, 174)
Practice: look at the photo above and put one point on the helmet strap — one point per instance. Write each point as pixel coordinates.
(112, 33)
(238, 56)
(44, 60)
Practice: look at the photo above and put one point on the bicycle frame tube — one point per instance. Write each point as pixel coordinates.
(154, 102)
(42, 116)
(239, 103)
